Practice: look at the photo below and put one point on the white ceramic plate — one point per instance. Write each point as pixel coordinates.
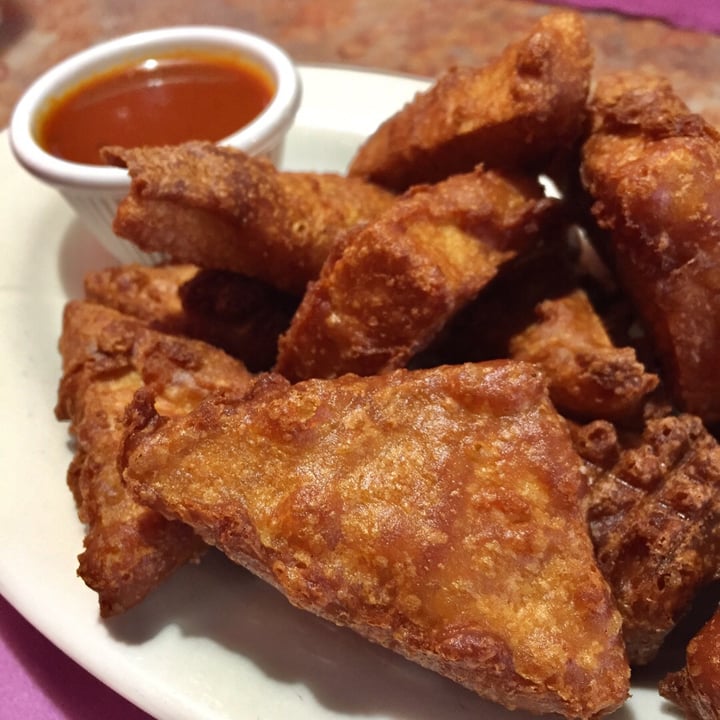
(213, 642)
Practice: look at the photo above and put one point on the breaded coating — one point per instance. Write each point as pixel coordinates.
(514, 113)
(506, 306)
(588, 376)
(222, 209)
(436, 512)
(391, 285)
(696, 688)
(241, 315)
(654, 514)
(653, 169)
(107, 356)
(149, 293)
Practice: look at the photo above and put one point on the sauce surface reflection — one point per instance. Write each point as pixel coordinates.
(159, 101)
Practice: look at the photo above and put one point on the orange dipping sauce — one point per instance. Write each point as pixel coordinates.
(160, 101)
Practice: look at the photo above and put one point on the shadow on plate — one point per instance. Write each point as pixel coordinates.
(346, 674)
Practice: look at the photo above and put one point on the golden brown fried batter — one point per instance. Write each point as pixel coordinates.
(653, 169)
(107, 356)
(238, 314)
(588, 376)
(391, 285)
(242, 315)
(515, 113)
(483, 329)
(141, 291)
(222, 209)
(654, 514)
(696, 688)
(436, 512)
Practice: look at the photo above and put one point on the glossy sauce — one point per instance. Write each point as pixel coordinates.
(165, 100)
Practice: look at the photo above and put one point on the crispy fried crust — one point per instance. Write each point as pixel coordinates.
(653, 169)
(240, 315)
(435, 512)
(514, 113)
(222, 209)
(243, 316)
(148, 293)
(107, 356)
(483, 329)
(654, 514)
(696, 688)
(589, 377)
(391, 285)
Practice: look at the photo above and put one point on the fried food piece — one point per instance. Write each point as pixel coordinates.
(514, 113)
(221, 209)
(436, 512)
(107, 356)
(149, 293)
(238, 314)
(588, 376)
(696, 688)
(243, 316)
(654, 515)
(391, 285)
(653, 169)
(484, 328)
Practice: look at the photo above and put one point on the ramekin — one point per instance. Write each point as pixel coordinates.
(95, 191)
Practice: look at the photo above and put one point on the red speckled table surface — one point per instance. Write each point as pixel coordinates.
(415, 36)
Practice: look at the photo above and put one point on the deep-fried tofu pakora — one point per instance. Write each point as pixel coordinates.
(653, 169)
(696, 688)
(221, 209)
(514, 113)
(391, 285)
(654, 515)
(436, 512)
(107, 356)
(240, 315)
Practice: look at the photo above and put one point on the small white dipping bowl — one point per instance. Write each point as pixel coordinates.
(94, 191)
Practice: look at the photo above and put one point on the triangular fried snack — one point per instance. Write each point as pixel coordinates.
(652, 169)
(389, 286)
(514, 113)
(436, 512)
(107, 356)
